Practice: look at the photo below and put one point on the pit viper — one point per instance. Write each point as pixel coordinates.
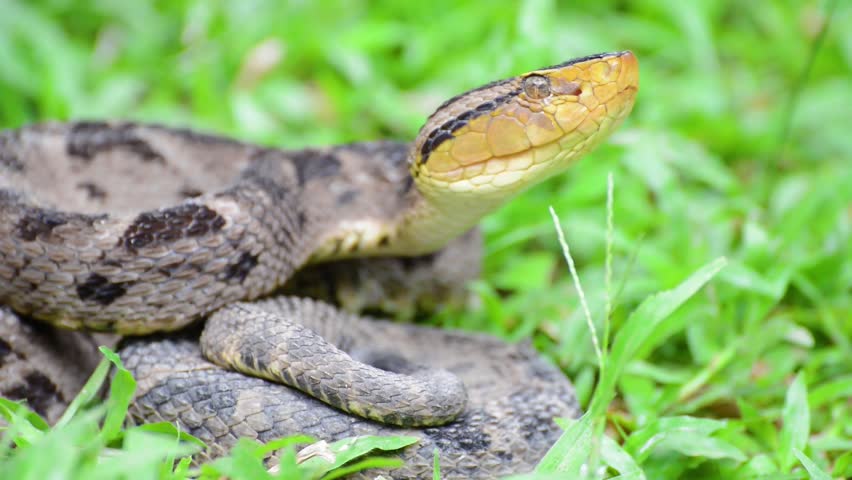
(142, 229)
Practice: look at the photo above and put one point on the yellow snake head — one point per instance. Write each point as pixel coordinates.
(500, 138)
(482, 147)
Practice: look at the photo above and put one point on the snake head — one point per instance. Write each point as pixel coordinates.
(498, 139)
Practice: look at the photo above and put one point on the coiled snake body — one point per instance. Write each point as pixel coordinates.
(137, 229)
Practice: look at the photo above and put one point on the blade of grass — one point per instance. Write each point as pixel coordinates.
(566, 252)
(120, 393)
(641, 328)
(570, 452)
(813, 469)
(88, 393)
(436, 465)
(620, 460)
(797, 423)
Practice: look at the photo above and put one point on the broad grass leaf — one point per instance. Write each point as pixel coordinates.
(694, 444)
(620, 460)
(837, 389)
(641, 443)
(169, 429)
(813, 469)
(140, 456)
(796, 426)
(334, 455)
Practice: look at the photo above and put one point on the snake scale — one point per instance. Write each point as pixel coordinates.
(139, 229)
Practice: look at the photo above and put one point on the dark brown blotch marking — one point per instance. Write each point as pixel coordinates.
(88, 139)
(9, 145)
(241, 268)
(190, 192)
(167, 225)
(5, 350)
(313, 164)
(93, 191)
(347, 197)
(32, 225)
(407, 184)
(247, 358)
(433, 141)
(465, 435)
(38, 391)
(39, 222)
(10, 161)
(478, 89)
(277, 192)
(98, 288)
(538, 428)
(265, 173)
(411, 263)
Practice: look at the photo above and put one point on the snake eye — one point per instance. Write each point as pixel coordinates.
(536, 86)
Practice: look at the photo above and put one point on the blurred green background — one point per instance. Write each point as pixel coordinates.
(739, 145)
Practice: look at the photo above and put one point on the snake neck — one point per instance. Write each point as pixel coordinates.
(424, 226)
(433, 221)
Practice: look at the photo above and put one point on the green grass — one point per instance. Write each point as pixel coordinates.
(738, 147)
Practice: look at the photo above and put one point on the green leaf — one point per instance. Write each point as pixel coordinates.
(120, 394)
(797, 423)
(22, 420)
(436, 464)
(365, 464)
(642, 442)
(619, 460)
(529, 272)
(241, 463)
(641, 329)
(285, 442)
(51, 457)
(139, 457)
(169, 429)
(843, 466)
(837, 389)
(324, 457)
(696, 445)
(571, 451)
(88, 393)
(813, 469)
(756, 423)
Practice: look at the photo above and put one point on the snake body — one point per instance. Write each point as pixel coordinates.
(137, 229)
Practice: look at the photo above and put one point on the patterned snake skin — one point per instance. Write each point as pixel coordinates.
(86, 243)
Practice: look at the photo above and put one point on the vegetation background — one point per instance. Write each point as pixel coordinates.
(739, 146)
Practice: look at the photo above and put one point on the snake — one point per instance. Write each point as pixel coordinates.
(158, 233)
